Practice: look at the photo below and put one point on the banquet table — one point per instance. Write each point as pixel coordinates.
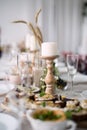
(82, 126)
(79, 87)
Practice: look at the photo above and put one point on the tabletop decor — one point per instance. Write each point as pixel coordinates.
(33, 28)
(49, 52)
(33, 39)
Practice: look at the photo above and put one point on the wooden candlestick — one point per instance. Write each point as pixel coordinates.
(50, 79)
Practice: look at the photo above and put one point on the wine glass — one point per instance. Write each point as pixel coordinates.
(24, 69)
(72, 65)
(37, 72)
(22, 58)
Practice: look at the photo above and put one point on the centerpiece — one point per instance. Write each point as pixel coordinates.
(35, 30)
(34, 43)
(49, 53)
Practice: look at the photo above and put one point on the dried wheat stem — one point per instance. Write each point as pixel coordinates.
(19, 21)
(38, 32)
(36, 16)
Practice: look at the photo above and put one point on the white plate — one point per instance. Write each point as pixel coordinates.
(84, 94)
(8, 122)
(35, 89)
(5, 87)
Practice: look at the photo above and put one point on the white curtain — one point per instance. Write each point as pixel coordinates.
(62, 22)
(83, 46)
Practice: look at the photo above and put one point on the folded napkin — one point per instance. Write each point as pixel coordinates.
(62, 69)
(78, 78)
(81, 78)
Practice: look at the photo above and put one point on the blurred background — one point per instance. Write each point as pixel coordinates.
(62, 21)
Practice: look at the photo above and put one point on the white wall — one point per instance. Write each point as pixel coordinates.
(60, 21)
(69, 24)
(11, 10)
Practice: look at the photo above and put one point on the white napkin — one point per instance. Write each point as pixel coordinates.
(62, 69)
(78, 78)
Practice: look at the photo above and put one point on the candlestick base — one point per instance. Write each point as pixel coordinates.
(50, 79)
(50, 89)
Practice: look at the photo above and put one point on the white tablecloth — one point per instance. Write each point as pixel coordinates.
(26, 125)
(77, 87)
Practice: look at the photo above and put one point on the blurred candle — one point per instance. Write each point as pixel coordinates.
(33, 43)
(49, 49)
(27, 41)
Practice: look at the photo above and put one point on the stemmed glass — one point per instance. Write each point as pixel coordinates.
(72, 65)
(23, 66)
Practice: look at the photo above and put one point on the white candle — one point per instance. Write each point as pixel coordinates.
(49, 49)
(33, 43)
(27, 40)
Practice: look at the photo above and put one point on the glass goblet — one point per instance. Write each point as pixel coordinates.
(72, 65)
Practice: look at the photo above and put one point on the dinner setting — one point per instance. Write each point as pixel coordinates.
(43, 65)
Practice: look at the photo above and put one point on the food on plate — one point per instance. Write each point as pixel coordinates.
(77, 114)
(33, 98)
(60, 104)
(45, 97)
(27, 90)
(83, 104)
(48, 119)
(49, 115)
(72, 104)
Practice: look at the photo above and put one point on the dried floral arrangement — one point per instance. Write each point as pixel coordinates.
(34, 28)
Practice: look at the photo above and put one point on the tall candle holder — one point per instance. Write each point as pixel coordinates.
(50, 79)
